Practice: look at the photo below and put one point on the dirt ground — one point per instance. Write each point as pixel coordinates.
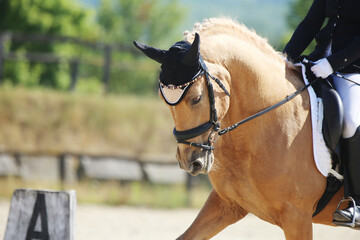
(108, 223)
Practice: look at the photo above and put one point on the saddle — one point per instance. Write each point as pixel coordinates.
(331, 128)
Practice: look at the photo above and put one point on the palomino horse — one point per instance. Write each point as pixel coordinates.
(266, 166)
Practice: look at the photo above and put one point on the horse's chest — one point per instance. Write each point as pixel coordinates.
(233, 184)
(239, 186)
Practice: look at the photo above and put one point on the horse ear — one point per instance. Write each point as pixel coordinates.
(153, 53)
(192, 56)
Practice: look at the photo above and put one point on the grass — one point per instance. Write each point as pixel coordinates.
(117, 193)
(44, 121)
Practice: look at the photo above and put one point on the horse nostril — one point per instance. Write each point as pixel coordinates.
(195, 166)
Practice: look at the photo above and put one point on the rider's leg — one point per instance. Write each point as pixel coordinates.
(350, 95)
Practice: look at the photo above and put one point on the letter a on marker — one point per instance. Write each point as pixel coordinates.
(39, 210)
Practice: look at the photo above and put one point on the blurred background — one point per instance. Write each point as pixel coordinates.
(78, 103)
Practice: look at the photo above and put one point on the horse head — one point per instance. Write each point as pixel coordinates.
(196, 105)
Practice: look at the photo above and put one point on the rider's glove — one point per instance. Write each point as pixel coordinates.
(322, 68)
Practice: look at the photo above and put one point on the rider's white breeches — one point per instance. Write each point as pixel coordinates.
(350, 95)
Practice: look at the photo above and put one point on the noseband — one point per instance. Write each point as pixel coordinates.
(183, 136)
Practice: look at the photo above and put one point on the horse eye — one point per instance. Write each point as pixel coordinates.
(196, 100)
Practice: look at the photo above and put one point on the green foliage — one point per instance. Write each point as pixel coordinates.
(298, 10)
(116, 22)
(154, 22)
(151, 21)
(41, 16)
(57, 17)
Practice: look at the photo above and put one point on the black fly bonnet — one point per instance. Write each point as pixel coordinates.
(181, 66)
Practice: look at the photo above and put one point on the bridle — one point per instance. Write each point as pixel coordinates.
(184, 136)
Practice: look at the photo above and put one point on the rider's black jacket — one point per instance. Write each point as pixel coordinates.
(342, 28)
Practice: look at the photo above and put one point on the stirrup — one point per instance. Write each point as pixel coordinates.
(347, 224)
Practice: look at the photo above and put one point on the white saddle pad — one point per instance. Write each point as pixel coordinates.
(322, 154)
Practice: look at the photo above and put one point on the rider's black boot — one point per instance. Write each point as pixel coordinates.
(351, 160)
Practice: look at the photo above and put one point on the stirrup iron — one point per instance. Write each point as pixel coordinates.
(347, 224)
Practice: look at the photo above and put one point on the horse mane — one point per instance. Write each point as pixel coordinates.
(228, 25)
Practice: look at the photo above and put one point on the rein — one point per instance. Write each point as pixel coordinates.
(287, 99)
(345, 78)
(182, 136)
(262, 112)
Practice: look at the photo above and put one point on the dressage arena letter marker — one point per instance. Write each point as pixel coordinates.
(38, 213)
(41, 215)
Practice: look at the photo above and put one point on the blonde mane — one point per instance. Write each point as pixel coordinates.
(227, 25)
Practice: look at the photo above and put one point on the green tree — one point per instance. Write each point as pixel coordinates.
(298, 10)
(155, 22)
(117, 22)
(152, 21)
(55, 17)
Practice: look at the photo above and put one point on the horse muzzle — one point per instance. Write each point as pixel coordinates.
(196, 162)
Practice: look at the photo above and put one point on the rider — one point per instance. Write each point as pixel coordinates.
(337, 50)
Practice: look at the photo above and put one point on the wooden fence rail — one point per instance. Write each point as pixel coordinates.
(69, 168)
(74, 61)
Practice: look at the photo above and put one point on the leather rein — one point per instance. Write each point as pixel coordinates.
(183, 136)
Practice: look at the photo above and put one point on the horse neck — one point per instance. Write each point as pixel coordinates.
(258, 81)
